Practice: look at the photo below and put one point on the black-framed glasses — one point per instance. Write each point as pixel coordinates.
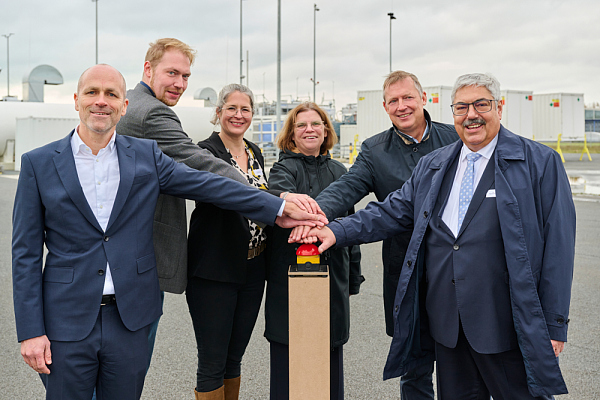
(481, 106)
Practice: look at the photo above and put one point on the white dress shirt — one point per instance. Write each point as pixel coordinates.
(450, 214)
(99, 178)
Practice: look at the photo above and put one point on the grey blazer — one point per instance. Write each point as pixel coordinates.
(149, 118)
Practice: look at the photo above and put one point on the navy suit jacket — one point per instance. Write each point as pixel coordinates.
(62, 300)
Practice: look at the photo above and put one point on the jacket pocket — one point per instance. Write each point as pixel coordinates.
(141, 179)
(58, 274)
(146, 263)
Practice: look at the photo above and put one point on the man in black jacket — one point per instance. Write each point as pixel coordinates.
(385, 162)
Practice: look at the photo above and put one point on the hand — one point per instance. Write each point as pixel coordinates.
(293, 216)
(323, 235)
(304, 201)
(557, 346)
(36, 353)
(299, 233)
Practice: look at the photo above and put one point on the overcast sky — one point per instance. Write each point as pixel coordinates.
(544, 46)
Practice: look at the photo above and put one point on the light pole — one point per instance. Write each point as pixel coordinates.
(391, 18)
(278, 73)
(241, 48)
(7, 36)
(314, 79)
(96, 1)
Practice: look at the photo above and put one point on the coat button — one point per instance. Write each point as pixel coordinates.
(396, 308)
(453, 282)
(456, 247)
(415, 149)
(409, 263)
(425, 214)
(106, 238)
(100, 272)
(560, 320)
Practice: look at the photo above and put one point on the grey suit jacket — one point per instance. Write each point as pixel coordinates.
(149, 118)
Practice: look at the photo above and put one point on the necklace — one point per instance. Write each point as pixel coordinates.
(234, 156)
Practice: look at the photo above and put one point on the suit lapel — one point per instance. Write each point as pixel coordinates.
(67, 172)
(486, 181)
(443, 162)
(444, 195)
(127, 172)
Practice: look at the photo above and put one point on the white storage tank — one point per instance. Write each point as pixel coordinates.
(34, 132)
(439, 99)
(194, 120)
(517, 112)
(556, 113)
(371, 117)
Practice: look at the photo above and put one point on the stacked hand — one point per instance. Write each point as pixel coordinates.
(306, 234)
(301, 210)
(302, 213)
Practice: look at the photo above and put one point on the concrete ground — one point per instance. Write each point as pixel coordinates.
(172, 374)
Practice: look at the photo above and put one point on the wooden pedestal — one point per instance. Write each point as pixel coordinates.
(310, 350)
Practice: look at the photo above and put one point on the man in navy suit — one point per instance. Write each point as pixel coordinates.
(83, 319)
(488, 271)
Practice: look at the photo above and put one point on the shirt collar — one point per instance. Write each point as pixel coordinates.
(486, 152)
(409, 139)
(79, 147)
(148, 87)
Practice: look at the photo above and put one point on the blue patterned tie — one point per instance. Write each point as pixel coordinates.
(466, 187)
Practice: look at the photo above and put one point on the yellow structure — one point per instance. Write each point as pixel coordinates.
(558, 150)
(354, 152)
(585, 149)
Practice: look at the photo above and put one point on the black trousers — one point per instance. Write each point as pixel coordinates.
(464, 374)
(280, 372)
(224, 315)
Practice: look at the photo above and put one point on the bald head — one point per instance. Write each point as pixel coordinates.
(101, 102)
(102, 68)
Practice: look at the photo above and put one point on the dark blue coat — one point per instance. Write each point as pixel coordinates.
(537, 218)
(62, 300)
(384, 164)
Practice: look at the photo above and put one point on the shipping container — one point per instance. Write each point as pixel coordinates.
(517, 112)
(371, 117)
(439, 99)
(556, 113)
(347, 133)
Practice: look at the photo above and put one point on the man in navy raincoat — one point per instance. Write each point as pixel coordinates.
(488, 271)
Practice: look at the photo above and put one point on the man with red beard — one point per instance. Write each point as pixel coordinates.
(167, 68)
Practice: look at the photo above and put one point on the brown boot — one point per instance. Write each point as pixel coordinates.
(232, 388)
(217, 394)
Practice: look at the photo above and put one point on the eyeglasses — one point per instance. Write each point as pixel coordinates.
(301, 126)
(232, 111)
(481, 106)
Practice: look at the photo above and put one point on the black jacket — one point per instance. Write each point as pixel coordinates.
(298, 173)
(384, 163)
(218, 239)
